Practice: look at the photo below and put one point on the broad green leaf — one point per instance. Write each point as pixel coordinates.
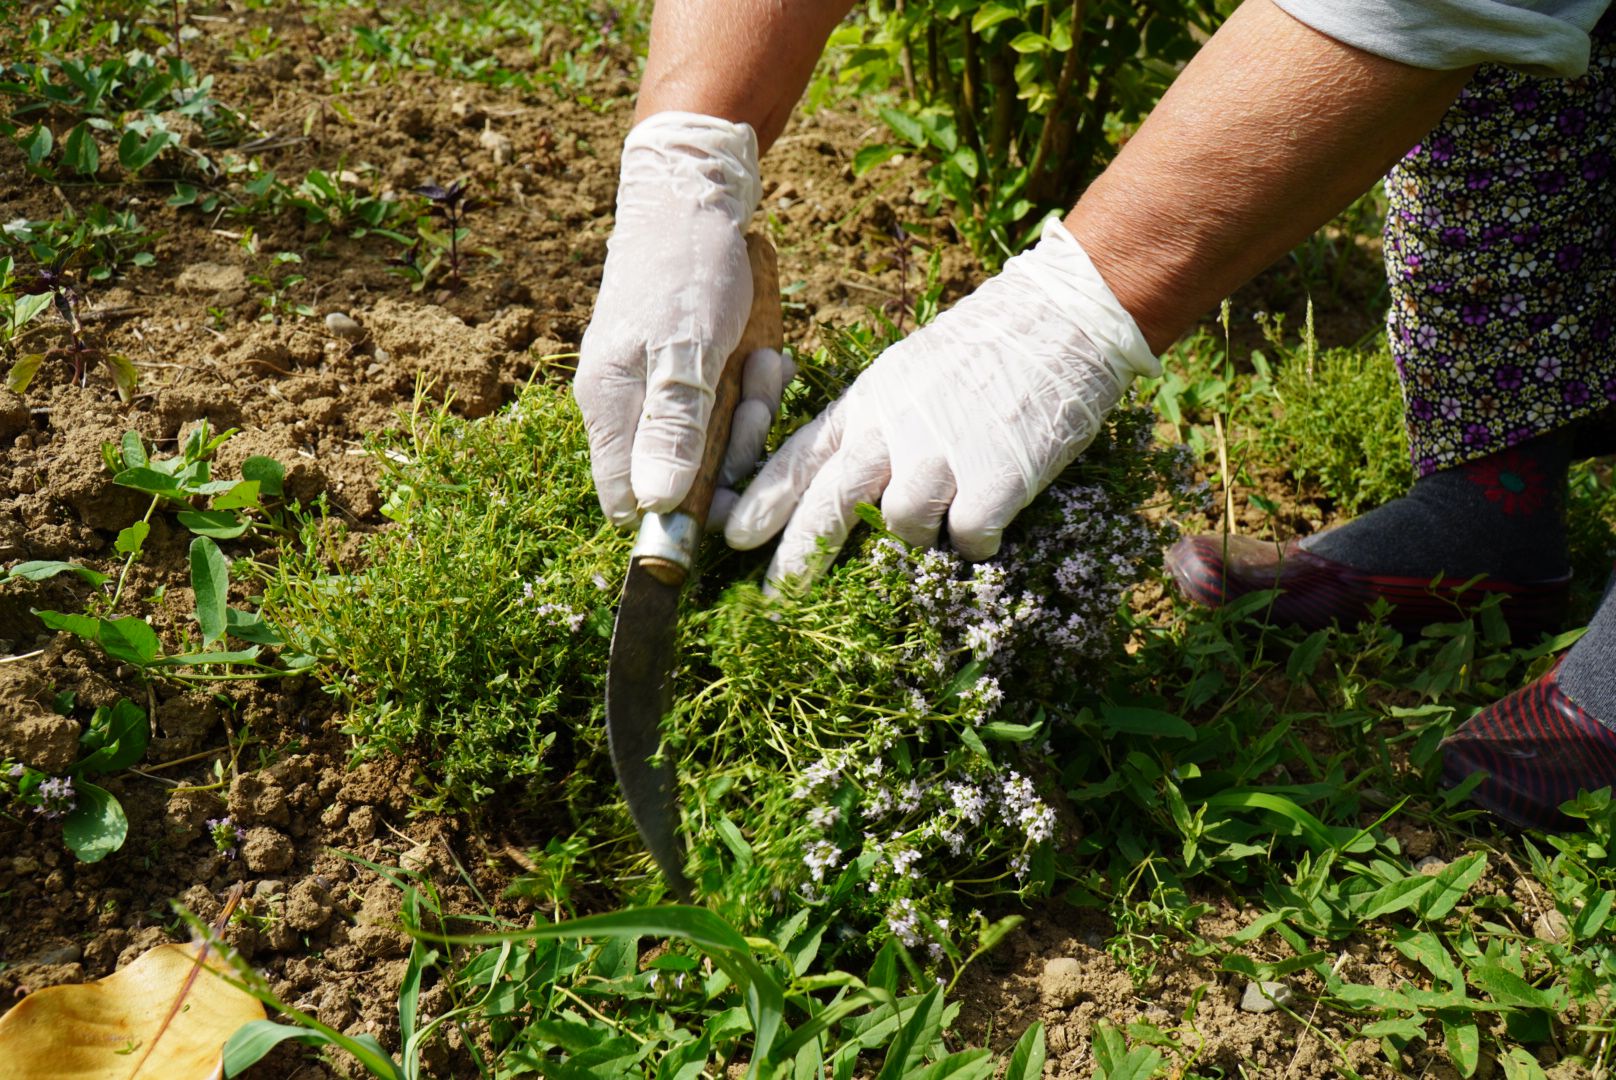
(129, 639)
(125, 379)
(269, 473)
(1027, 1059)
(1029, 42)
(1002, 731)
(147, 479)
(23, 371)
(122, 736)
(1136, 720)
(251, 626)
(1590, 921)
(84, 626)
(210, 581)
(1519, 1064)
(963, 1065)
(1404, 893)
(1401, 1027)
(1507, 988)
(28, 308)
(96, 826)
(1452, 884)
(1463, 1040)
(991, 14)
(253, 1040)
(135, 153)
(915, 1037)
(243, 495)
(1427, 949)
(217, 524)
(730, 834)
(132, 538)
(133, 449)
(905, 125)
(79, 151)
(37, 144)
(41, 569)
(1140, 1063)
(869, 157)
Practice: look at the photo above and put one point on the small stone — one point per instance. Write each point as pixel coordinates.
(1061, 984)
(210, 279)
(24, 864)
(417, 860)
(60, 954)
(1431, 866)
(1551, 926)
(268, 888)
(344, 326)
(266, 851)
(1265, 997)
(498, 145)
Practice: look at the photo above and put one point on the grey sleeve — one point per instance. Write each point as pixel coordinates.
(1539, 37)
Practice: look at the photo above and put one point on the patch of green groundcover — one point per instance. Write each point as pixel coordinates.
(884, 767)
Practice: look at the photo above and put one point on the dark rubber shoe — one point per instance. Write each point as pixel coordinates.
(1214, 570)
(1539, 750)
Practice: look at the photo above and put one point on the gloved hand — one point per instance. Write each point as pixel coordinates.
(673, 303)
(969, 417)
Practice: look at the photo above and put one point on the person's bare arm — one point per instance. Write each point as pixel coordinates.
(745, 61)
(1269, 132)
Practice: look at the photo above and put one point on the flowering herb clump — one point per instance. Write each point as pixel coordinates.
(879, 745)
(226, 835)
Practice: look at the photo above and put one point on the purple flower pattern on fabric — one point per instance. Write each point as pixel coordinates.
(1500, 248)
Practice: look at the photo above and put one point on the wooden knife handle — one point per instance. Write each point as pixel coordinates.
(763, 331)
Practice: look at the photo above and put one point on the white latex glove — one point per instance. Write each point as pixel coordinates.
(673, 303)
(969, 417)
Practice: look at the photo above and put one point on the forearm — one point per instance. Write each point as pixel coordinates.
(1266, 135)
(741, 60)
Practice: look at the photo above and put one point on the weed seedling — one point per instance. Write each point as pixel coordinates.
(452, 205)
(66, 299)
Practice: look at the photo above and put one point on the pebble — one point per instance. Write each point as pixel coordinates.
(1430, 866)
(1265, 997)
(498, 145)
(344, 326)
(1061, 984)
(62, 954)
(267, 888)
(1551, 926)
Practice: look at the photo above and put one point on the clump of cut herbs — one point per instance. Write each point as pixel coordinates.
(874, 748)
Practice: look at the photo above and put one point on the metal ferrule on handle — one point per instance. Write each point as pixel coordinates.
(667, 543)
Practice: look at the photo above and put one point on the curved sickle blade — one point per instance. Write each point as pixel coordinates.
(638, 695)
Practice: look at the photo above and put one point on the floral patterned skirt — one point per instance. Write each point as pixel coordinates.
(1500, 248)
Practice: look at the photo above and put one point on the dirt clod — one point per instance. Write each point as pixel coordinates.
(39, 737)
(308, 906)
(1061, 984)
(254, 798)
(266, 851)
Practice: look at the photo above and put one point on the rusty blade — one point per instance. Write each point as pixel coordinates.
(638, 696)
